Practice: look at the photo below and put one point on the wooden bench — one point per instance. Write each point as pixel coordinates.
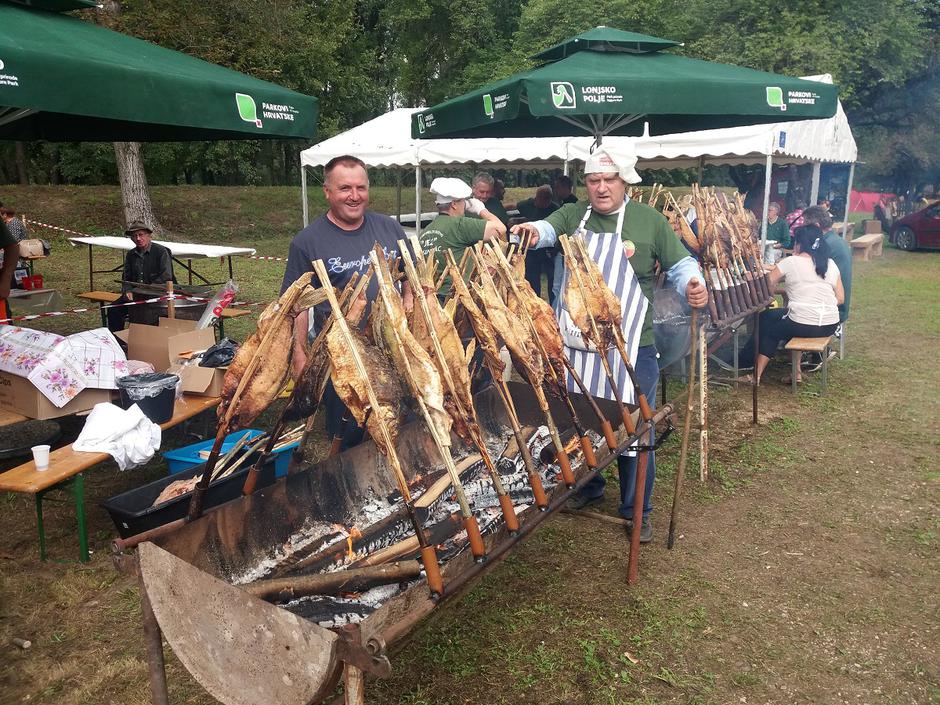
(796, 346)
(867, 245)
(66, 468)
(103, 298)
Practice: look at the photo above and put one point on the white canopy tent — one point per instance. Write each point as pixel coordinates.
(386, 142)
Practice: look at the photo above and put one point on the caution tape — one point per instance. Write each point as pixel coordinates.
(157, 299)
(268, 259)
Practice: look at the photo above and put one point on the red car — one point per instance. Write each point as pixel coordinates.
(920, 229)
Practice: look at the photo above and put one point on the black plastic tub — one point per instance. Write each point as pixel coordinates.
(154, 393)
(132, 511)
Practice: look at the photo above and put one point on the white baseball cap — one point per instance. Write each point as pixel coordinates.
(601, 161)
(447, 189)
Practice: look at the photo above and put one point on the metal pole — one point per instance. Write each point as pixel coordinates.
(848, 198)
(754, 373)
(418, 199)
(768, 168)
(814, 187)
(703, 405)
(303, 192)
(154, 642)
(701, 169)
(398, 195)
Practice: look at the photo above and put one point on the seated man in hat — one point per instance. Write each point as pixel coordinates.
(148, 263)
(627, 239)
(452, 229)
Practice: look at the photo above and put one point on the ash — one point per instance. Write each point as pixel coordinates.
(330, 611)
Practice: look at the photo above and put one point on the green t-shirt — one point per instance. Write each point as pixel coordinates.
(454, 233)
(649, 231)
(779, 231)
(840, 252)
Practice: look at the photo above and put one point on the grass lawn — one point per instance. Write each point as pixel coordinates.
(806, 569)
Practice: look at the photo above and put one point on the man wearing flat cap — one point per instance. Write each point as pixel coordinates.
(452, 229)
(627, 239)
(148, 263)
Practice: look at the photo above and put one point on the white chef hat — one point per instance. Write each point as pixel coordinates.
(602, 161)
(447, 189)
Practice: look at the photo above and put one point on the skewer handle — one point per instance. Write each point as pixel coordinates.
(432, 570)
(609, 435)
(588, 449)
(475, 538)
(509, 514)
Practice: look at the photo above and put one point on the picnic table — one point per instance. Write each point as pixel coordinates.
(66, 472)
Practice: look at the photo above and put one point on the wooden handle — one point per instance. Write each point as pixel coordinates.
(645, 409)
(588, 449)
(538, 492)
(473, 535)
(609, 435)
(628, 424)
(509, 513)
(565, 464)
(432, 570)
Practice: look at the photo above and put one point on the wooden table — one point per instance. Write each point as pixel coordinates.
(66, 468)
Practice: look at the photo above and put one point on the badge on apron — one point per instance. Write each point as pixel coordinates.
(629, 248)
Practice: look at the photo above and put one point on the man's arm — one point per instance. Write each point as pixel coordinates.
(166, 266)
(681, 269)
(494, 226)
(299, 360)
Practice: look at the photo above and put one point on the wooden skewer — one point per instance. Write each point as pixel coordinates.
(496, 372)
(587, 448)
(595, 334)
(468, 415)
(469, 521)
(428, 552)
(561, 455)
(686, 428)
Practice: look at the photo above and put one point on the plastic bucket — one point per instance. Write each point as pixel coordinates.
(153, 392)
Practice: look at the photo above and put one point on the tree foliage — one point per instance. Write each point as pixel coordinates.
(364, 57)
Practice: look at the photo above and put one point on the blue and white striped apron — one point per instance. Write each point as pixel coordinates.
(606, 249)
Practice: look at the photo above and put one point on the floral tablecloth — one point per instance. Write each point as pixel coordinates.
(61, 367)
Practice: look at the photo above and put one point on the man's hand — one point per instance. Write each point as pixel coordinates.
(357, 307)
(526, 230)
(696, 293)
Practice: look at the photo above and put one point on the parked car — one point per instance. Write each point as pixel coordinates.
(919, 229)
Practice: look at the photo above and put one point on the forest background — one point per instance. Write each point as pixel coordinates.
(364, 58)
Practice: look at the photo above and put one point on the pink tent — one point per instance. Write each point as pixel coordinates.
(864, 201)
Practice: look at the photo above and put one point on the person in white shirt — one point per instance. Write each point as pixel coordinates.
(813, 286)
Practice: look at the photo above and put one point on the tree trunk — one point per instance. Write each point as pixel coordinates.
(135, 193)
(22, 173)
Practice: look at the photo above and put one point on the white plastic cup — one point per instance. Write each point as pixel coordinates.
(41, 457)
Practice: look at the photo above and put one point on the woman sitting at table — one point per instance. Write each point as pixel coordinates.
(813, 287)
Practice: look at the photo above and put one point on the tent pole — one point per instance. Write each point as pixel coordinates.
(565, 170)
(418, 199)
(768, 168)
(814, 187)
(398, 195)
(848, 197)
(701, 169)
(303, 192)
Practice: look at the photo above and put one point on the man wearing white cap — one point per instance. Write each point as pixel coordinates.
(452, 229)
(627, 239)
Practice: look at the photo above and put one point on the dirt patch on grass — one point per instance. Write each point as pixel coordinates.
(805, 570)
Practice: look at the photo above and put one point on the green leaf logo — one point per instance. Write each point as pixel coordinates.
(775, 98)
(247, 110)
(488, 105)
(421, 127)
(563, 95)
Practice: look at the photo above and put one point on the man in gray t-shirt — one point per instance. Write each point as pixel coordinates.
(342, 237)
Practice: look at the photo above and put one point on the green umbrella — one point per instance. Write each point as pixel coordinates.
(609, 82)
(63, 79)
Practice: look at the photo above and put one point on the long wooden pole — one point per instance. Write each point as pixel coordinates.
(469, 521)
(428, 552)
(468, 415)
(686, 429)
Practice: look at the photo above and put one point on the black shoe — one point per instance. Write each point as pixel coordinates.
(579, 501)
(646, 530)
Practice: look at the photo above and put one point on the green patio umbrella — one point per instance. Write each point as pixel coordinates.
(609, 82)
(64, 79)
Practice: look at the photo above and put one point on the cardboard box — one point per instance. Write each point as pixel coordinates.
(161, 345)
(18, 394)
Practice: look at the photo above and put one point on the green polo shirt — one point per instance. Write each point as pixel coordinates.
(648, 230)
(840, 252)
(495, 206)
(779, 231)
(454, 233)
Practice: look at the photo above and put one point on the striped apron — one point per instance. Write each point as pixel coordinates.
(606, 249)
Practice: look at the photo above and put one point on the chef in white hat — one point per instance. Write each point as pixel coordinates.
(452, 229)
(627, 239)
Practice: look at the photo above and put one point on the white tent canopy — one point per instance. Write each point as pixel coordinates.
(386, 142)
